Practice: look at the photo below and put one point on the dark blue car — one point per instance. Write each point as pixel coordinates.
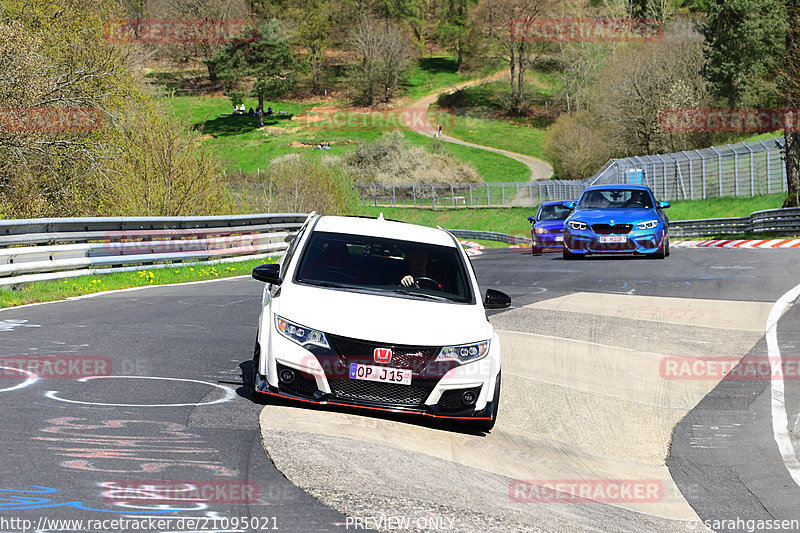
(547, 226)
(617, 219)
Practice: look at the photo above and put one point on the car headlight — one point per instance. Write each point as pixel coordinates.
(650, 224)
(300, 334)
(574, 224)
(464, 353)
(541, 231)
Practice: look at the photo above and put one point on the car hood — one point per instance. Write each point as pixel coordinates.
(550, 224)
(618, 215)
(386, 319)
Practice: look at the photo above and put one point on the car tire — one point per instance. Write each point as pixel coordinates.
(254, 370)
(487, 425)
(567, 255)
(663, 251)
(535, 250)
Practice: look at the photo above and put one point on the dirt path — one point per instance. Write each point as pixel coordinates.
(540, 170)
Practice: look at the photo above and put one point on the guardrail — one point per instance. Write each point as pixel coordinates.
(46, 249)
(783, 221)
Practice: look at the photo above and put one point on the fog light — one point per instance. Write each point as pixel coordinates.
(286, 376)
(469, 398)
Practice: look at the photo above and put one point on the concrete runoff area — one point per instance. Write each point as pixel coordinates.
(576, 404)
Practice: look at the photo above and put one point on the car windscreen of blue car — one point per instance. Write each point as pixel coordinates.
(553, 212)
(616, 198)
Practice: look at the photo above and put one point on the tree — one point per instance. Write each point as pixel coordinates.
(791, 82)
(643, 79)
(745, 49)
(454, 26)
(313, 20)
(266, 64)
(497, 17)
(384, 55)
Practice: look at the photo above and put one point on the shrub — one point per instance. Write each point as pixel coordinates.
(391, 159)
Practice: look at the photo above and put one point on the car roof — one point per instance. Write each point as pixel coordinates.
(619, 186)
(556, 202)
(379, 227)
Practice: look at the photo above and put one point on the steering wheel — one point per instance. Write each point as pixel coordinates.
(342, 273)
(428, 283)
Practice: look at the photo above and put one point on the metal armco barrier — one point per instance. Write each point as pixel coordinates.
(490, 236)
(46, 249)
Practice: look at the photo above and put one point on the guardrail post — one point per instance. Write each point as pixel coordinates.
(414, 194)
(433, 196)
(375, 193)
(470, 194)
(719, 169)
(703, 171)
(394, 195)
(752, 172)
(735, 171)
(452, 194)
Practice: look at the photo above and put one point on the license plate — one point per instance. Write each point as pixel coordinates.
(383, 374)
(612, 238)
(559, 238)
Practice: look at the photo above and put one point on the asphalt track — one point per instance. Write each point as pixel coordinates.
(582, 400)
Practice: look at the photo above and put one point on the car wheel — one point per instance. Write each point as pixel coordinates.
(487, 425)
(567, 255)
(254, 370)
(535, 250)
(663, 251)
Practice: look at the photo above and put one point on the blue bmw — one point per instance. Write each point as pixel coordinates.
(617, 219)
(547, 226)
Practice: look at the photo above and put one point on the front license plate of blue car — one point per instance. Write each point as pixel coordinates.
(383, 374)
(611, 238)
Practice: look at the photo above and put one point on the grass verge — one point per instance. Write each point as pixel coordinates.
(48, 291)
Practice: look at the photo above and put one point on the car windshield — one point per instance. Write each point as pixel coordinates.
(369, 263)
(553, 212)
(615, 198)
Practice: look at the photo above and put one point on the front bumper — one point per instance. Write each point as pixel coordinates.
(636, 242)
(435, 391)
(547, 240)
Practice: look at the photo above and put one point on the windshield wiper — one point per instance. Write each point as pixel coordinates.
(324, 284)
(422, 295)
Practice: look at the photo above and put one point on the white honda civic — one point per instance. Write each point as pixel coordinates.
(382, 315)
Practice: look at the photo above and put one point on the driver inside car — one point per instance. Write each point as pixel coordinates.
(417, 262)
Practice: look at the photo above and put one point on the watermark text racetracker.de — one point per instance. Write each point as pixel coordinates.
(213, 523)
(62, 366)
(586, 491)
(49, 119)
(590, 30)
(415, 118)
(742, 120)
(748, 368)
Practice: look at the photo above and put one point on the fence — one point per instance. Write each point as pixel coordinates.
(742, 170)
(46, 249)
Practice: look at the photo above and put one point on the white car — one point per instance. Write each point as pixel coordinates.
(383, 315)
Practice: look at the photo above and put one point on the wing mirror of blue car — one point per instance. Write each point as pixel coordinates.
(530, 219)
(662, 205)
(570, 205)
(269, 273)
(496, 299)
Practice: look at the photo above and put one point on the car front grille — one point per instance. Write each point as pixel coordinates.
(627, 246)
(386, 393)
(608, 229)
(403, 356)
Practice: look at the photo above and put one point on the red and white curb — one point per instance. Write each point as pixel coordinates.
(472, 248)
(748, 243)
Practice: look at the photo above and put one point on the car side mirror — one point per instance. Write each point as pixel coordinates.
(496, 299)
(570, 205)
(269, 273)
(530, 219)
(662, 205)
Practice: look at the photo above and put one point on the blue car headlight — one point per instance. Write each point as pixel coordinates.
(300, 334)
(574, 224)
(650, 224)
(541, 231)
(464, 353)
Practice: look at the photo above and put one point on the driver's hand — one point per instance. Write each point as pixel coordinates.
(407, 281)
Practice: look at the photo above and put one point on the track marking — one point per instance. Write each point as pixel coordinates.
(32, 378)
(780, 419)
(229, 394)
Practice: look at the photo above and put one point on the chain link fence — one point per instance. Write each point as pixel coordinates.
(740, 170)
